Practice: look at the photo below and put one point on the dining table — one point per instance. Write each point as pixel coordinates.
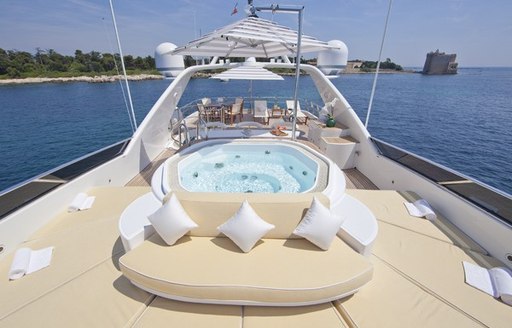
(217, 110)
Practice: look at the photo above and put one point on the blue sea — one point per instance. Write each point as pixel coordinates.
(462, 121)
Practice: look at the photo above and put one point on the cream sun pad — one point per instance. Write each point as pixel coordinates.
(276, 272)
(262, 275)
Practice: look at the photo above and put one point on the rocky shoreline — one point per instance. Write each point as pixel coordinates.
(381, 71)
(89, 79)
(144, 77)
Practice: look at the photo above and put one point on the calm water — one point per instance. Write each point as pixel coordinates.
(463, 121)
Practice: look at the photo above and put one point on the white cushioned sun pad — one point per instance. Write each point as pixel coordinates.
(277, 272)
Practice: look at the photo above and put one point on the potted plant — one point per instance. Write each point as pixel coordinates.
(330, 121)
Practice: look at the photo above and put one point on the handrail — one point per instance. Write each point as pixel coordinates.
(25, 192)
(201, 123)
(184, 127)
(183, 111)
(177, 121)
(485, 197)
(305, 104)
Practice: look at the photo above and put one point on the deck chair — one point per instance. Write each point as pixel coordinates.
(235, 110)
(241, 101)
(206, 101)
(202, 112)
(261, 111)
(301, 117)
(208, 114)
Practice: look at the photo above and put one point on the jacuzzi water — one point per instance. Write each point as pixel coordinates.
(248, 168)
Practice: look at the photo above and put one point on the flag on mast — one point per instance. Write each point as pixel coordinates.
(235, 10)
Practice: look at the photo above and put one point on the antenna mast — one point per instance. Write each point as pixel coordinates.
(251, 11)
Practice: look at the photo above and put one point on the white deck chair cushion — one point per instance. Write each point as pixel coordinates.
(260, 109)
(245, 228)
(319, 226)
(171, 221)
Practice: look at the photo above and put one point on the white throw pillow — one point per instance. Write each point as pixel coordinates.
(171, 221)
(319, 226)
(245, 228)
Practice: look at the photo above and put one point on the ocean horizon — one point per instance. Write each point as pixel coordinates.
(461, 121)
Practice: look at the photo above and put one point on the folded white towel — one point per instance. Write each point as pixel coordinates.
(81, 202)
(496, 282)
(27, 261)
(421, 208)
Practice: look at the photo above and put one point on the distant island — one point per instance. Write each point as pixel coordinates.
(49, 66)
(358, 66)
(366, 66)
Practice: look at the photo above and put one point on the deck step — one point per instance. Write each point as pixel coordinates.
(318, 130)
(357, 180)
(346, 140)
(341, 150)
(144, 177)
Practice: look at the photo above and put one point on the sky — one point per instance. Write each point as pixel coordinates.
(479, 32)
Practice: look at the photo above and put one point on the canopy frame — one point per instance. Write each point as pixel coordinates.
(299, 11)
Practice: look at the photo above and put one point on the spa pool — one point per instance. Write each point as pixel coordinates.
(247, 167)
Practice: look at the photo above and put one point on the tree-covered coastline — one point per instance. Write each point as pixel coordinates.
(367, 66)
(45, 65)
(49, 63)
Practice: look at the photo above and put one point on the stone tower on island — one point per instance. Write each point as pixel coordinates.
(440, 63)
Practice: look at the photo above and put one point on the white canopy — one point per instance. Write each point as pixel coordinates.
(251, 37)
(247, 71)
